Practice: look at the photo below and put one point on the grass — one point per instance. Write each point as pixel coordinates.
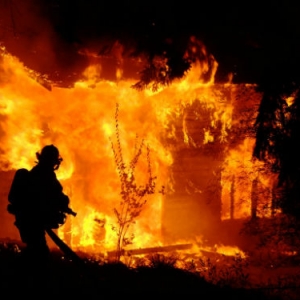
(154, 275)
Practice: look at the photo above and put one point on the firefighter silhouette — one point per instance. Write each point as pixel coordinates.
(37, 200)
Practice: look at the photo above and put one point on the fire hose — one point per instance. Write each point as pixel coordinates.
(62, 245)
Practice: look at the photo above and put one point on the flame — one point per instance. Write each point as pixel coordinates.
(80, 121)
(230, 251)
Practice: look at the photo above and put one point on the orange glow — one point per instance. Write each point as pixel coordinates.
(238, 186)
(190, 113)
(229, 251)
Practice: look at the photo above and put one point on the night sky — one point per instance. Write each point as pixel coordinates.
(253, 40)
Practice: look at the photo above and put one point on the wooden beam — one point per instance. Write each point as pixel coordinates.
(150, 250)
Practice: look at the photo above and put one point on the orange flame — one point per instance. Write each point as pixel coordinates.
(80, 122)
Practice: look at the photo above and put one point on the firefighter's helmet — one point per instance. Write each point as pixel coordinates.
(49, 156)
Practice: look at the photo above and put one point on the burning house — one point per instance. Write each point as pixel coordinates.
(200, 134)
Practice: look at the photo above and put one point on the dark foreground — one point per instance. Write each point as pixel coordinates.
(63, 278)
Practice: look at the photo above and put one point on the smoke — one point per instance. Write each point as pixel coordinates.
(27, 32)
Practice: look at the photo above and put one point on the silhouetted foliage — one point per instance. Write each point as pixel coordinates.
(62, 278)
(133, 195)
(277, 134)
(163, 65)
